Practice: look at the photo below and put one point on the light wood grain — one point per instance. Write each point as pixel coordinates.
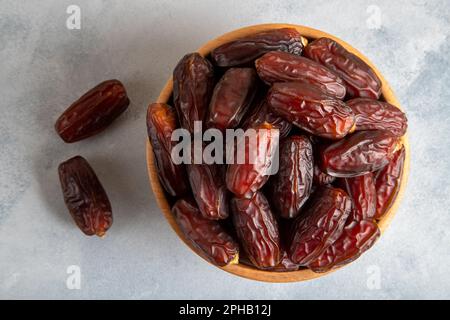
(244, 270)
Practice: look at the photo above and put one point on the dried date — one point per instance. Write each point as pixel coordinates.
(311, 109)
(285, 67)
(291, 186)
(206, 235)
(285, 264)
(93, 112)
(262, 113)
(360, 231)
(85, 197)
(232, 97)
(388, 183)
(245, 177)
(322, 178)
(161, 122)
(360, 79)
(245, 50)
(193, 83)
(257, 230)
(357, 237)
(319, 225)
(209, 190)
(377, 115)
(364, 196)
(360, 153)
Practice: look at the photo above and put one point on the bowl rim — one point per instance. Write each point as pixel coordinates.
(241, 269)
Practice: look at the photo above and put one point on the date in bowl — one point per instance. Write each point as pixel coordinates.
(246, 270)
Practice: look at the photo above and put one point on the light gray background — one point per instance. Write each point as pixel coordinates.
(44, 67)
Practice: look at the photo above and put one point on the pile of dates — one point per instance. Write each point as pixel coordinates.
(340, 152)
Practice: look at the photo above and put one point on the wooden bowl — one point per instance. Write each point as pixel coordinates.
(241, 269)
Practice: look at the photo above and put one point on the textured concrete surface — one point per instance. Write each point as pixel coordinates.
(45, 66)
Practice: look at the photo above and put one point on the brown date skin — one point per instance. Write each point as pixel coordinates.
(161, 121)
(85, 197)
(257, 230)
(93, 112)
(360, 153)
(262, 113)
(193, 83)
(364, 195)
(322, 178)
(244, 179)
(377, 115)
(319, 225)
(387, 183)
(357, 237)
(209, 190)
(360, 79)
(206, 235)
(232, 97)
(360, 231)
(245, 50)
(285, 67)
(311, 109)
(285, 264)
(291, 186)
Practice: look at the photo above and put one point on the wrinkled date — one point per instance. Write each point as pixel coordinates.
(319, 225)
(360, 79)
(364, 196)
(244, 178)
(322, 178)
(388, 183)
(85, 197)
(361, 153)
(357, 237)
(377, 115)
(206, 235)
(231, 98)
(311, 109)
(161, 121)
(246, 50)
(291, 186)
(257, 230)
(209, 190)
(285, 67)
(193, 83)
(285, 264)
(360, 231)
(93, 112)
(261, 113)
